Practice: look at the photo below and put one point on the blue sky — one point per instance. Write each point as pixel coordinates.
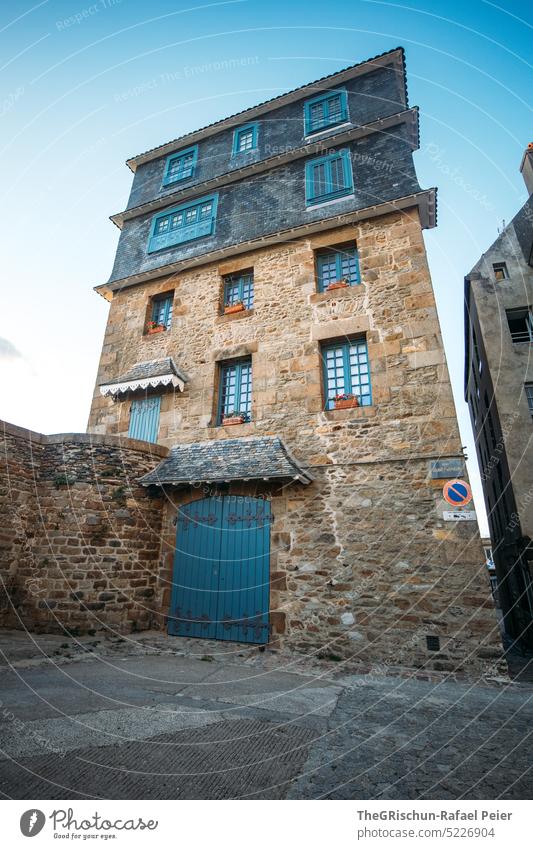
(84, 85)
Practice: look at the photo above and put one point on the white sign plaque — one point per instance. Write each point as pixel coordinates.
(459, 516)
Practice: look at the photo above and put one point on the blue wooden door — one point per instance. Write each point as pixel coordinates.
(221, 583)
(144, 418)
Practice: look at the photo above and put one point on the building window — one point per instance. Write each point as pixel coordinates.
(162, 310)
(500, 271)
(180, 165)
(520, 323)
(337, 264)
(328, 177)
(239, 289)
(235, 389)
(433, 642)
(529, 395)
(326, 110)
(144, 418)
(183, 223)
(245, 139)
(346, 372)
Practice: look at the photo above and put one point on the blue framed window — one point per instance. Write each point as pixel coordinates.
(235, 389)
(333, 264)
(180, 165)
(239, 288)
(328, 177)
(144, 418)
(245, 139)
(346, 371)
(325, 110)
(183, 223)
(162, 310)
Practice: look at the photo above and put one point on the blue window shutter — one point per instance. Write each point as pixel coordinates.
(235, 391)
(326, 110)
(328, 177)
(183, 223)
(346, 370)
(144, 418)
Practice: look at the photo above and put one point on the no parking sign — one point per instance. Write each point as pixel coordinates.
(457, 493)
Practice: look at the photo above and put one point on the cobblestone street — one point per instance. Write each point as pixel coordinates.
(159, 718)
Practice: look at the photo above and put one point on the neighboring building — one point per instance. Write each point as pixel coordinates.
(268, 264)
(499, 392)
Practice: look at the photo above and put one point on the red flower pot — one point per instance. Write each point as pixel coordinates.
(232, 420)
(346, 403)
(230, 308)
(160, 328)
(338, 284)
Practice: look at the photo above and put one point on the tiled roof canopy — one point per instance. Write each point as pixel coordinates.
(255, 458)
(144, 375)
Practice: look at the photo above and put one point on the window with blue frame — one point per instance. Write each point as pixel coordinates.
(144, 418)
(328, 177)
(324, 111)
(245, 139)
(180, 165)
(183, 223)
(239, 288)
(346, 372)
(162, 310)
(235, 393)
(336, 264)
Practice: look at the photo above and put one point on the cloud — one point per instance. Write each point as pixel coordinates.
(8, 350)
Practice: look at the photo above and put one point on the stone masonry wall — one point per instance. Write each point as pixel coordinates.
(363, 562)
(79, 547)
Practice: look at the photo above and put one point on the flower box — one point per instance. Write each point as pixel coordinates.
(233, 420)
(346, 403)
(231, 308)
(156, 328)
(337, 284)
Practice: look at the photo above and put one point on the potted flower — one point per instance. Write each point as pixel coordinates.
(233, 417)
(346, 401)
(155, 327)
(238, 306)
(343, 283)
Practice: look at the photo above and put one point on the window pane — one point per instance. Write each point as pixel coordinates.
(245, 140)
(337, 174)
(334, 110)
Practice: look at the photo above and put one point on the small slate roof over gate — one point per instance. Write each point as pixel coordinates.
(152, 373)
(254, 458)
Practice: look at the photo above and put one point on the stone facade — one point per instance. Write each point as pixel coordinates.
(79, 548)
(498, 370)
(362, 561)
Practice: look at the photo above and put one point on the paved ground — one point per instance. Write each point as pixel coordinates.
(153, 717)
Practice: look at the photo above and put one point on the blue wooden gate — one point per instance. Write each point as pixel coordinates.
(221, 583)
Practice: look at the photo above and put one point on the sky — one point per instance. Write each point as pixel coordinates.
(85, 85)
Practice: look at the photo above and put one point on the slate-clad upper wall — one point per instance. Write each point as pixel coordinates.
(383, 169)
(370, 96)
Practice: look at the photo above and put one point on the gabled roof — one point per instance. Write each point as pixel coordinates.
(221, 460)
(396, 55)
(151, 373)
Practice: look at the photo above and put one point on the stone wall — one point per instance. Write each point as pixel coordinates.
(80, 539)
(363, 562)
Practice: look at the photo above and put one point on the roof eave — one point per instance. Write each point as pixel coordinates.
(395, 56)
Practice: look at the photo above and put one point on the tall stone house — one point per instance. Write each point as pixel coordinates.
(272, 322)
(499, 391)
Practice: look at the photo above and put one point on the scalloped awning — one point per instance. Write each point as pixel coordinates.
(147, 375)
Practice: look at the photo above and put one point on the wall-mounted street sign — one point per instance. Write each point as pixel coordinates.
(452, 467)
(459, 515)
(457, 493)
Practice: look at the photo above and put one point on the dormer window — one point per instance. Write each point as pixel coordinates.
(324, 111)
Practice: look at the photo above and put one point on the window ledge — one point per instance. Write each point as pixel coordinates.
(222, 319)
(326, 202)
(349, 291)
(352, 413)
(333, 128)
(152, 336)
(239, 429)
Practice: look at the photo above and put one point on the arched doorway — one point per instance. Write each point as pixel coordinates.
(221, 579)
